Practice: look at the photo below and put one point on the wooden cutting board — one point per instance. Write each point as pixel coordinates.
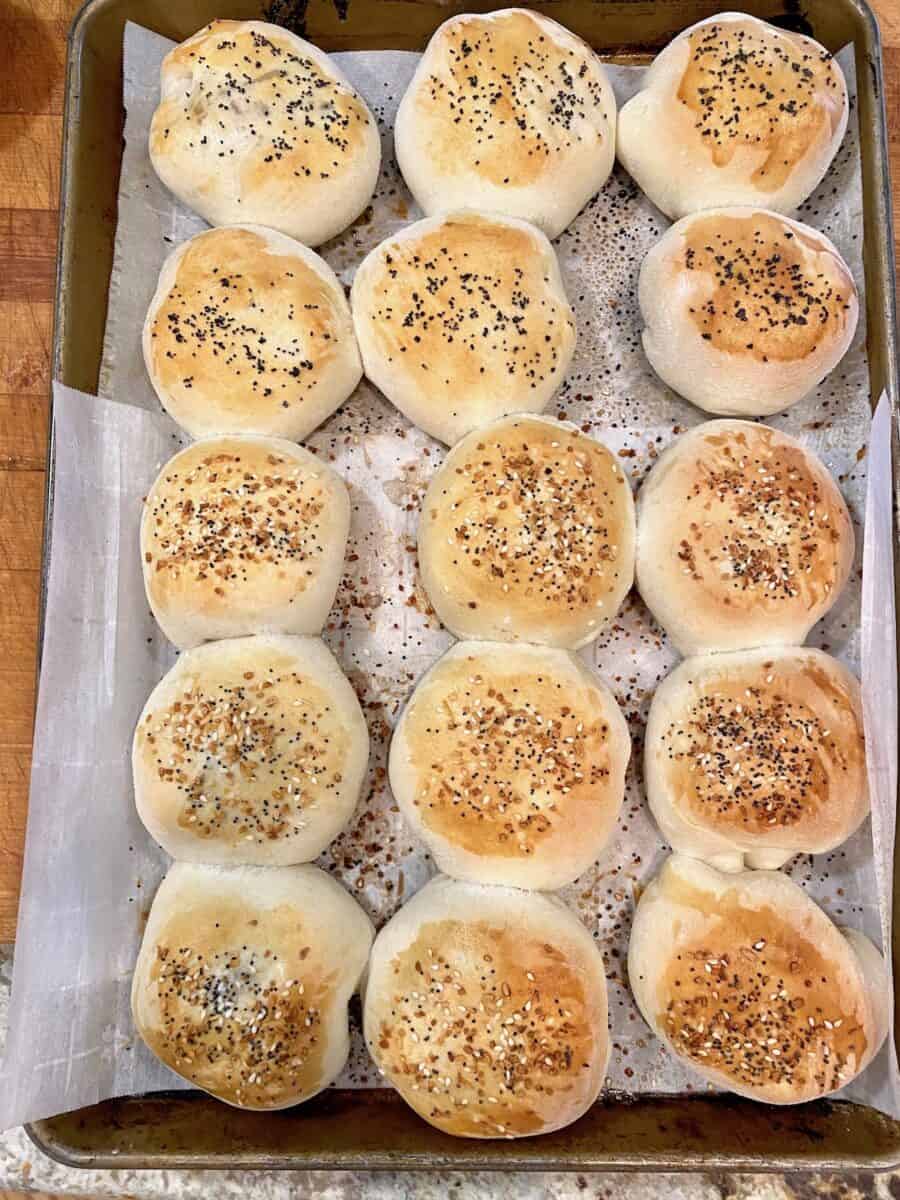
(31, 104)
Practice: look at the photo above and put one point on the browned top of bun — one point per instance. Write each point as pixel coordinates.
(747, 84)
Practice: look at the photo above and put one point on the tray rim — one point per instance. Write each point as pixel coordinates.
(40, 1132)
(465, 1157)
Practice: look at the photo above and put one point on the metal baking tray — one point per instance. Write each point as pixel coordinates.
(374, 1129)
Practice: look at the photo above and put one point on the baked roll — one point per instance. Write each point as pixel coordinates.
(509, 762)
(250, 751)
(510, 113)
(527, 534)
(745, 311)
(755, 756)
(743, 540)
(255, 124)
(249, 332)
(749, 982)
(486, 1009)
(243, 535)
(462, 319)
(734, 111)
(243, 979)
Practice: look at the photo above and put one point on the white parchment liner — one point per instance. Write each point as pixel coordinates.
(91, 869)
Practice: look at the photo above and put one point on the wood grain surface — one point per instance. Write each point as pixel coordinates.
(33, 33)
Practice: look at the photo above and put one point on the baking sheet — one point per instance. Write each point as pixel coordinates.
(91, 869)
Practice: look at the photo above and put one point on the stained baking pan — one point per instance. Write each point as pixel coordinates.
(374, 1129)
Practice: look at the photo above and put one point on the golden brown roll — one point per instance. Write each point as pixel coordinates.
(754, 756)
(243, 535)
(249, 332)
(486, 1009)
(462, 319)
(256, 124)
(743, 539)
(734, 111)
(745, 311)
(250, 751)
(243, 978)
(507, 112)
(752, 985)
(527, 534)
(509, 762)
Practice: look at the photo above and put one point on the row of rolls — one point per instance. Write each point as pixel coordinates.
(485, 999)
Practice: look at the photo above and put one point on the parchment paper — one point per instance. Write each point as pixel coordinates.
(90, 868)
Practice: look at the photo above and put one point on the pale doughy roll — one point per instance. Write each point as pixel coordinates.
(745, 311)
(527, 534)
(755, 756)
(462, 319)
(507, 112)
(753, 986)
(743, 539)
(256, 124)
(486, 1009)
(249, 332)
(250, 750)
(243, 979)
(243, 535)
(509, 762)
(734, 111)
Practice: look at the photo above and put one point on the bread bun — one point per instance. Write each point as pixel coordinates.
(249, 332)
(734, 111)
(255, 124)
(754, 756)
(509, 762)
(243, 535)
(753, 986)
(486, 1009)
(251, 750)
(243, 979)
(507, 112)
(462, 319)
(745, 311)
(743, 539)
(527, 534)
